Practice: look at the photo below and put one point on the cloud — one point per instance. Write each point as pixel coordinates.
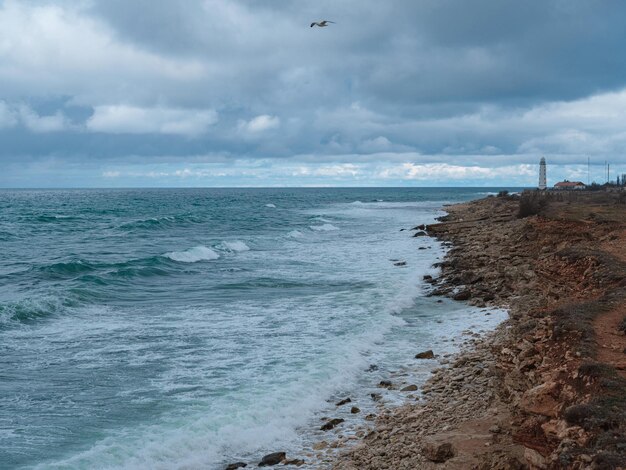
(7, 116)
(261, 123)
(53, 123)
(122, 119)
(447, 172)
(477, 85)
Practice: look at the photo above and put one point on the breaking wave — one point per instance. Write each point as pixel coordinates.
(193, 255)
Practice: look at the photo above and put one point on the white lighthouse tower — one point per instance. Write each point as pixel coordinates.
(542, 174)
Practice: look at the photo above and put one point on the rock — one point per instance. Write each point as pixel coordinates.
(535, 459)
(344, 401)
(296, 462)
(462, 295)
(409, 388)
(419, 227)
(272, 459)
(331, 424)
(542, 400)
(425, 355)
(354, 410)
(495, 429)
(320, 445)
(235, 466)
(385, 384)
(371, 368)
(376, 396)
(420, 234)
(427, 277)
(400, 263)
(370, 417)
(437, 452)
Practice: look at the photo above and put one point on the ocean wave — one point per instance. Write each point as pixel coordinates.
(295, 234)
(193, 255)
(68, 269)
(28, 311)
(323, 228)
(235, 245)
(156, 223)
(272, 206)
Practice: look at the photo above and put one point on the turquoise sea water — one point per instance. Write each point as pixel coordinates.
(192, 328)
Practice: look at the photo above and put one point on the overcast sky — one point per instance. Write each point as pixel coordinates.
(118, 93)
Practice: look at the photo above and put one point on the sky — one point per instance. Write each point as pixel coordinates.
(178, 93)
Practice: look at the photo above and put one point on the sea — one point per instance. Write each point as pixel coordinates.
(192, 328)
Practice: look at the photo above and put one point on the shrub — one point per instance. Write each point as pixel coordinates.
(532, 203)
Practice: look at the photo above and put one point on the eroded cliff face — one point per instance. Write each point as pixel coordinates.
(548, 388)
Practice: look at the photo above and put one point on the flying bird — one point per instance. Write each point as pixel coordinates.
(321, 24)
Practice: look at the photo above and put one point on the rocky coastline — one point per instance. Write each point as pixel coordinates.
(547, 389)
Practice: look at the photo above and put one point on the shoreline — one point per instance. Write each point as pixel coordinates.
(543, 390)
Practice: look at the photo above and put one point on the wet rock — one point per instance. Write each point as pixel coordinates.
(420, 234)
(331, 424)
(400, 263)
(462, 295)
(437, 452)
(376, 396)
(409, 388)
(354, 410)
(344, 401)
(236, 465)
(371, 368)
(272, 459)
(425, 355)
(385, 384)
(419, 227)
(320, 445)
(295, 462)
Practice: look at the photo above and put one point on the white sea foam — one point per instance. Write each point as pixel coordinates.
(193, 255)
(295, 234)
(272, 206)
(324, 228)
(236, 246)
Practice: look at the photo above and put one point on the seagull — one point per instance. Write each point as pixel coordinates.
(321, 24)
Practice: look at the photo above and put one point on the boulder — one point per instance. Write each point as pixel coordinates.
(425, 355)
(385, 384)
(437, 452)
(331, 424)
(355, 410)
(344, 401)
(409, 388)
(272, 459)
(420, 234)
(400, 263)
(462, 295)
(376, 396)
(542, 400)
(236, 465)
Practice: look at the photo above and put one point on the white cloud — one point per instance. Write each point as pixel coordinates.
(445, 172)
(123, 119)
(259, 124)
(7, 116)
(54, 49)
(36, 123)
